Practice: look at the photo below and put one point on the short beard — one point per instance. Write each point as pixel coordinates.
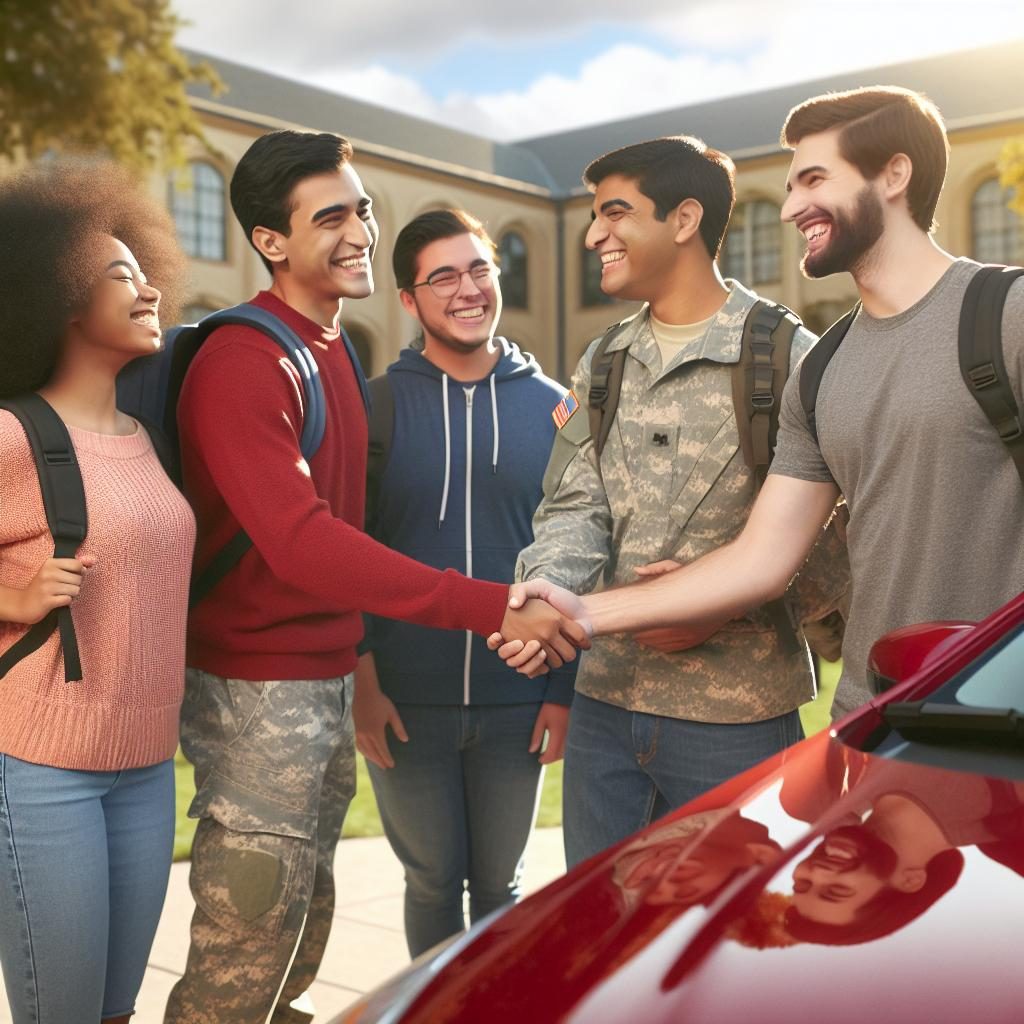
(852, 238)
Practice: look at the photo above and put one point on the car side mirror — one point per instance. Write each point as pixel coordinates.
(904, 652)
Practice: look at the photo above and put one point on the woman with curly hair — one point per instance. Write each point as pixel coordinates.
(86, 776)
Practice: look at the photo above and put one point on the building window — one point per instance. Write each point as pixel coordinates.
(512, 258)
(197, 204)
(590, 277)
(997, 234)
(752, 252)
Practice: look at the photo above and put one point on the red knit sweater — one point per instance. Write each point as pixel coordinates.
(292, 607)
(129, 617)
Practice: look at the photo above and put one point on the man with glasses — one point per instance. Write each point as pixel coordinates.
(456, 464)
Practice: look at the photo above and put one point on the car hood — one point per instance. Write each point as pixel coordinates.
(824, 881)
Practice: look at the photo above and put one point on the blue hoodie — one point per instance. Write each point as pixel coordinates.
(434, 510)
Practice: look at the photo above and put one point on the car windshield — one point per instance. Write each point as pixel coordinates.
(997, 683)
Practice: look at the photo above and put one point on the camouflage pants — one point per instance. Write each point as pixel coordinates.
(275, 771)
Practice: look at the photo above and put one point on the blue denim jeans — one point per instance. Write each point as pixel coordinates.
(624, 769)
(84, 860)
(457, 808)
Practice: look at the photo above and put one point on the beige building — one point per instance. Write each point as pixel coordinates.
(530, 197)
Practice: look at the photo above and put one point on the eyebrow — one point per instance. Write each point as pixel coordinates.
(121, 263)
(612, 204)
(803, 174)
(327, 211)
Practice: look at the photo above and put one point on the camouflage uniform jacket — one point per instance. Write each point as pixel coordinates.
(672, 483)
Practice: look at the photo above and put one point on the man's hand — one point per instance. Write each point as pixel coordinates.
(372, 713)
(529, 618)
(554, 719)
(57, 583)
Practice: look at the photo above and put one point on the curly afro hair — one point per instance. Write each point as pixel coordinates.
(50, 216)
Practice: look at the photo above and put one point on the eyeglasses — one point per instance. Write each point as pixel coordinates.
(446, 283)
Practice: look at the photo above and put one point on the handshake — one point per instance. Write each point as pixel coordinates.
(545, 624)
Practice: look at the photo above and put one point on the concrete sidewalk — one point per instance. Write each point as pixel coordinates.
(366, 945)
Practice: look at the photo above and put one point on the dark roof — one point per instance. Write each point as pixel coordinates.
(985, 84)
(980, 85)
(258, 92)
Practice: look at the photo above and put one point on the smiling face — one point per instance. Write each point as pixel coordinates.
(466, 319)
(848, 868)
(638, 251)
(838, 212)
(326, 256)
(120, 319)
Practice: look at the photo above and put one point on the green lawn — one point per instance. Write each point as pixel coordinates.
(363, 820)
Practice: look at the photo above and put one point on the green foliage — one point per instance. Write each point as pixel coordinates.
(1011, 172)
(100, 76)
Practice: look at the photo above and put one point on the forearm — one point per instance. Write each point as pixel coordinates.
(756, 567)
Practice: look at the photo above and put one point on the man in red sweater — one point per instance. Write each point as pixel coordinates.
(267, 715)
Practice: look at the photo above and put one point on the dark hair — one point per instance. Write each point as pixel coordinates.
(266, 176)
(50, 216)
(884, 913)
(430, 227)
(672, 169)
(875, 124)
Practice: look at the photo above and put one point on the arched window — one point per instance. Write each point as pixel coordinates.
(590, 277)
(196, 199)
(512, 258)
(363, 345)
(997, 234)
(752, 252)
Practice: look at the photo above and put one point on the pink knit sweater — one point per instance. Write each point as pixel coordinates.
(129, 617)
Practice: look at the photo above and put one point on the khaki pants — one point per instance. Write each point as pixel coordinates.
(275, 771)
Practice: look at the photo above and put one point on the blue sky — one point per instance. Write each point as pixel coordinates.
(532, 67)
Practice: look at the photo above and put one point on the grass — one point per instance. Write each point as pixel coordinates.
(363, 820)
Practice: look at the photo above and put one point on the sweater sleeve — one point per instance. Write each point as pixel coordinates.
(240, 412)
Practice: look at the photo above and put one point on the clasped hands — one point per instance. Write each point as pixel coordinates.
(533, 655)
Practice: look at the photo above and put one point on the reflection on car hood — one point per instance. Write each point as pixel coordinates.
(824, 882)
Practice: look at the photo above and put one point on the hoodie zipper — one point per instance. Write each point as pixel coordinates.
(469, 530)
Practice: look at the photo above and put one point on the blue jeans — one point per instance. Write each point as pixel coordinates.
(84, 860)
(458, 807)
(624, 769)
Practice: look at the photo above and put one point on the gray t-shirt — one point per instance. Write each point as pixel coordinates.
(936, 506)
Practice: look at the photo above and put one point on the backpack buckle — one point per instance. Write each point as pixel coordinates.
(983, 376)
(1010, 429)
(58, 458)
(762, 400)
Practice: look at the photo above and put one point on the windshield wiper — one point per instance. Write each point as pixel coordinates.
(928, 720)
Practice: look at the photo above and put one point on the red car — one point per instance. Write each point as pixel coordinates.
(870, 873)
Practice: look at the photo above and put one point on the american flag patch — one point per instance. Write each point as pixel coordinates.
(564, 410)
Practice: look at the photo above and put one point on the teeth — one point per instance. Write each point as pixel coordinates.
(612, 257)
(145, 317)
(352, 262)
(815, 231)
(468, 314)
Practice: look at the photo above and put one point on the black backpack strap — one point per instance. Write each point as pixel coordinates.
(60, 481)
(981, 355)
(813, 367)
(606, 369)
(758, 379)
(381, 431)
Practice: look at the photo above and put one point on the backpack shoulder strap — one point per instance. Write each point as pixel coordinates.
(758, 379)
(381, 431)
(60, 481)
(981, 355)
(606, 370)
(813, 367)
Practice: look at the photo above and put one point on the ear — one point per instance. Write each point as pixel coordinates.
(909, 879)
(269, 243)
(687, 216)
(408, 301)
(896, 175)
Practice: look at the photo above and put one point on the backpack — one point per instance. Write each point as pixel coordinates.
(149, 389)
(980, 350)
(757, 382)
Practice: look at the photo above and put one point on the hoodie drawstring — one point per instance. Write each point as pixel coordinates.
(494, 418)
(447, 450)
